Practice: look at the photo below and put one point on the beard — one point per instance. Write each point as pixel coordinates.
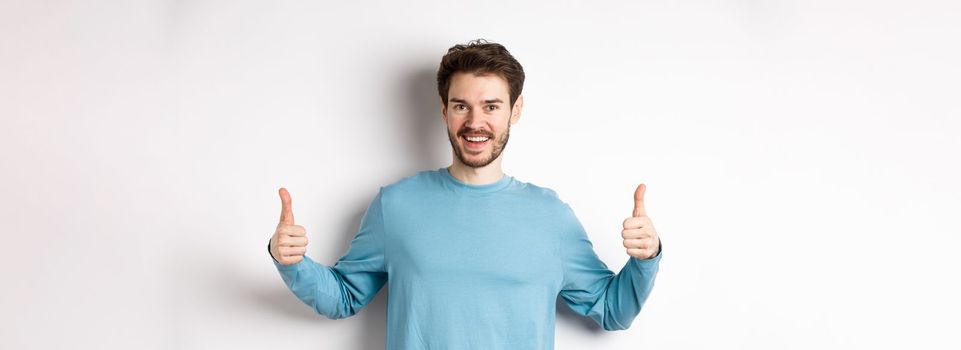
(498, 144)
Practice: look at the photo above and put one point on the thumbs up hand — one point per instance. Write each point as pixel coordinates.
(640, 238)
(289, 242)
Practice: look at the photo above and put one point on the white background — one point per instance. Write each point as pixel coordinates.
(802, 161)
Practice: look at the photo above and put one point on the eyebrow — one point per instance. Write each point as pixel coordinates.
(460, 100)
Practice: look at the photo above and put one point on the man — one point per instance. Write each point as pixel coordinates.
(473, 258)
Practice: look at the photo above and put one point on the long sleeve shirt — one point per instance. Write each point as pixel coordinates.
(472, 267)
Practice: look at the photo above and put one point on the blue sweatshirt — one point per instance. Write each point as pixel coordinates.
(472, 267)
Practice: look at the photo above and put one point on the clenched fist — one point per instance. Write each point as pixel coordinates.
(289, 243)
(640, 238)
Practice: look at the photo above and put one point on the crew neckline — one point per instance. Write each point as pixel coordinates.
(498, 185)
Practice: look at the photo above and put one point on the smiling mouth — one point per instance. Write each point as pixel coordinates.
(476, 142)
(477, 138)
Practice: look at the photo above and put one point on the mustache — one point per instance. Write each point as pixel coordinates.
(464, 131)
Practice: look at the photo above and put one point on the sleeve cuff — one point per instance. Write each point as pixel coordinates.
(292, 267)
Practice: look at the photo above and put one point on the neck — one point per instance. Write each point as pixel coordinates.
(488, 174)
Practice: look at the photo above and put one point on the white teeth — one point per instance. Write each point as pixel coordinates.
(477, 138)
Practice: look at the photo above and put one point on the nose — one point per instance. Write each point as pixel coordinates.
(473, 121)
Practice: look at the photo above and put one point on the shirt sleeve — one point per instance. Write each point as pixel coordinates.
(342, 290)
(591, 289)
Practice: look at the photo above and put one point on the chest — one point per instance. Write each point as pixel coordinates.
(474, 241)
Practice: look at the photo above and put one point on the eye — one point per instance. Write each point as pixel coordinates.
(492, 107)
(459, 107)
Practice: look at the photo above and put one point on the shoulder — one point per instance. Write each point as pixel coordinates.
(544, 202)
(421, 178)
(413, 184)
(541, 195)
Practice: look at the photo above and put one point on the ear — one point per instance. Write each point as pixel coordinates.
(516, 111)
(443, 112)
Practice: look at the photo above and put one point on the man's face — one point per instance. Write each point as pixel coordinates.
(478, 117)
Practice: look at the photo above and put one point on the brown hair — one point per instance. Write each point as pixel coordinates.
(480, 57)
